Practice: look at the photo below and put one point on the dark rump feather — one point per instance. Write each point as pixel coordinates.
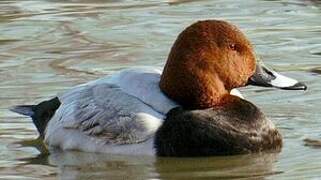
(40, 114)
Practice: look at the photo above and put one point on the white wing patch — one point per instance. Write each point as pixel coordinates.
(236, 92)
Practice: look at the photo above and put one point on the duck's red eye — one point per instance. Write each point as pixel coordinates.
(232, 46)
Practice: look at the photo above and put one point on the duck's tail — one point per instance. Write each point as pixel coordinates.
(26, 110)
(40, 113)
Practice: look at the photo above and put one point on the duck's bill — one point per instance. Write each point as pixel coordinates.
(266, 77)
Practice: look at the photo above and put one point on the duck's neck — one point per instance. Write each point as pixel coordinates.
(193, 91)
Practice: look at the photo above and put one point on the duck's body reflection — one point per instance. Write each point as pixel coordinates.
(81, 165)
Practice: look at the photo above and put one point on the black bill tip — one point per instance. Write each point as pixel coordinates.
(297, 86)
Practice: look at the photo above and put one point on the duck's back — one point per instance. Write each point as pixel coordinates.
(106, 114)
(142, 83)
(118, 114)
(123, 109)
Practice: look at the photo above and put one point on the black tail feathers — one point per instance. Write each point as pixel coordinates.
(40, 114)
(26, 110)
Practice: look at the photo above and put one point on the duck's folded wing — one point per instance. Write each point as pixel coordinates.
(106, 114)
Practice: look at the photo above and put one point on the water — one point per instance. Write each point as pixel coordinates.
(49, 46)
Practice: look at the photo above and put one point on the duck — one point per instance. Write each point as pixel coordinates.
(191, 107)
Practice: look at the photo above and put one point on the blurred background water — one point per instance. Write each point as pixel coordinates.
(48, 46)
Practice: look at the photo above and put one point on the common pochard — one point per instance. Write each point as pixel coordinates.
(185, 110)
